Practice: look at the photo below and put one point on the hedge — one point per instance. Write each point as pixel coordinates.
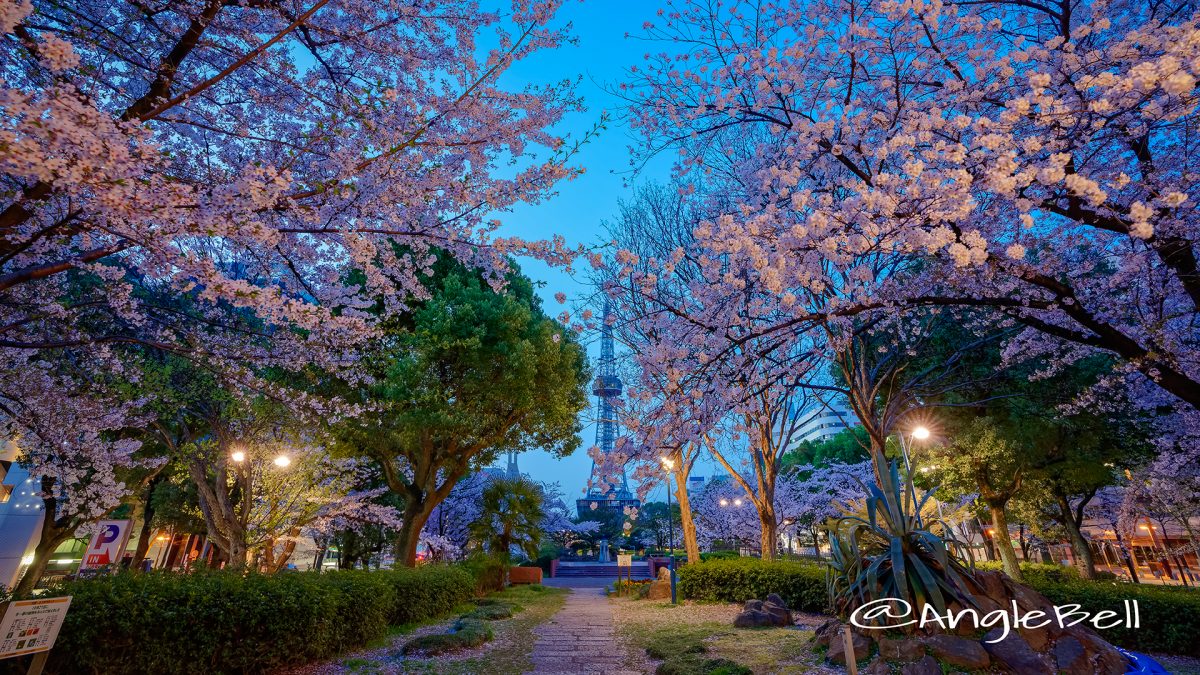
(800, 584)
(1170, 616)
(227, 622)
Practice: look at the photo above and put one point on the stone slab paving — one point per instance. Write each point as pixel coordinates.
(580, 638)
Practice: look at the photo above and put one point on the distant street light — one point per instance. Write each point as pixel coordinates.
(283, 461)
(669, 465)
(238, 456)
(920, 433)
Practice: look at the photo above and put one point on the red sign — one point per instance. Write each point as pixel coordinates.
(107, 545)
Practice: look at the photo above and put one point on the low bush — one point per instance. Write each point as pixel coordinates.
(1170, 616)
(488, 572)
(1037, 572)
(229, 622)
(800, 584)
(468, 634)
(719, 555)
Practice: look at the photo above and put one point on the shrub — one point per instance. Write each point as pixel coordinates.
(229, 622)
(1037, 572)
(468, 634)
(488, 572)
(719, 555)
(1170, 616)
(800, 584)
(428, 591)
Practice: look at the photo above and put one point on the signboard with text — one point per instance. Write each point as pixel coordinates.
(107, 545)
(31, 626)
(625, 560)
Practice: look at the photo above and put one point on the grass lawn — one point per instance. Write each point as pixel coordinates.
(700, 638)
(508, 653)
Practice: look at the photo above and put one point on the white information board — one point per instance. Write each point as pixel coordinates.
(107, 545)
(31, 626)
(624, 560)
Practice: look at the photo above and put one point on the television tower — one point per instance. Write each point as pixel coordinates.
(607, 389)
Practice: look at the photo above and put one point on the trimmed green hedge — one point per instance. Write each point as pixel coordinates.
(800, 584)
(1037, 572)
(1170, 615)
(226, 622)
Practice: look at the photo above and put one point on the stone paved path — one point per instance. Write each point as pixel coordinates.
(580, 638)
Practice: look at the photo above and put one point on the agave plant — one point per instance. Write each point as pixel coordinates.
(890, 552)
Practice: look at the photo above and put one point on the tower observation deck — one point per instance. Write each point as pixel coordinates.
(605, 491)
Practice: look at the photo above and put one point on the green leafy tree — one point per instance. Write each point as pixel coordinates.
(469, 373)
(848, 446)
(510, 517)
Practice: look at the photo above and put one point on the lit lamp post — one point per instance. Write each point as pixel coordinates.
(918, 434)
(239, 457)
(669, 465)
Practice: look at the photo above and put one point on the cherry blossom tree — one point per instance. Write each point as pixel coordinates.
(203, 178)
(82, 467)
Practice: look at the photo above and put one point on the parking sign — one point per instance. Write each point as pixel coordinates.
(107, 545)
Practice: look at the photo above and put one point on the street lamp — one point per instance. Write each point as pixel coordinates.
(283, 461)
(238, 456)
(669, 465)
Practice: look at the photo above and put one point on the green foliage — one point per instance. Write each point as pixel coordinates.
(800, 584)
(848, 446)
(468, 634)
(720, 555)
(228, 622)
(1170, 616)
(510, 515)
(891, 553)
(1037, 572)
(487, 570)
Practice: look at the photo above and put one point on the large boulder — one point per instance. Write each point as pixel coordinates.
(753, 619)
(905, 651)
(1014, 653)
(958, 651)
(861, 645)
(660, 588)
(926, 666)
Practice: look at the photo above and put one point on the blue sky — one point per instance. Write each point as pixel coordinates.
(578, 211)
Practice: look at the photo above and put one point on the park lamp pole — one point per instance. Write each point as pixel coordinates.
(669, 465)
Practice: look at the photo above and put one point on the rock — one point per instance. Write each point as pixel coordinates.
(958, 651)
(659, 590)
(905, 651)
(822, 633)
(1027, 598)
(780, 614)
(1103, 658)
(861, 645)
(1070, 657)
(753, 619)
(1038, 638)
(774, 599)
(753, 606)
(1015, 653)
(926, 666)
(993, 585)
(877, 667)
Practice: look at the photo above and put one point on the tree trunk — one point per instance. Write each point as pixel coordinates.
(1079, 545)
(49, 541)
(687, 523)
(1002, 542)
(416, 514)
(770, 530)
(143, 545)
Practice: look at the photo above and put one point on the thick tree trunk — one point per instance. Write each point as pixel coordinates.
(51, 538)
(770, 530)
(416, 514)
(1079, 545)
(1003, 544)
(687, 522)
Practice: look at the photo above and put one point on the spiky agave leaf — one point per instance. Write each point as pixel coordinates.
(890, 553)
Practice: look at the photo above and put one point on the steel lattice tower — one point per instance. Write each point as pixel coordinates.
(607, 389)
